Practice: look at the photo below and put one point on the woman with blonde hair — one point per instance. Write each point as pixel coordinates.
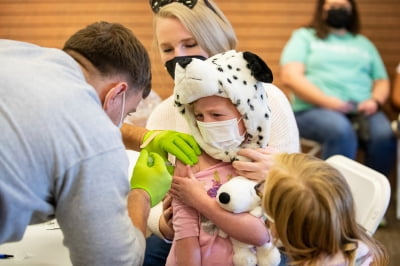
(310, 210)
(203, 18)
(200, 29)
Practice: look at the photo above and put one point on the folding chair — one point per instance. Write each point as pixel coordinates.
(398, 180)
(371, 191)
(310, 146)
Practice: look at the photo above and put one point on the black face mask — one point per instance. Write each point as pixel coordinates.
(170, 64)
(339, 18)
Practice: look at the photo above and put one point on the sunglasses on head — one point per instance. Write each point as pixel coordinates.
(157, 4)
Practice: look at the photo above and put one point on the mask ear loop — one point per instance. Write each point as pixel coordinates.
(245, 129)
(123, 110)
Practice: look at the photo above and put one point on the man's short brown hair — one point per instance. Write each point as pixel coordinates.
(114, 49)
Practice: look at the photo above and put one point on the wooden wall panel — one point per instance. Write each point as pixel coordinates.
(262, 26)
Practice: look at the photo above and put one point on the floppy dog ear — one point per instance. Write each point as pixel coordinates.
(259, 69)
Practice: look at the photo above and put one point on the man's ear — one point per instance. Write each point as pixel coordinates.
(112, 94)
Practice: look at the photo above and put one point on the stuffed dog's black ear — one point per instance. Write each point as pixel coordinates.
(259, 69)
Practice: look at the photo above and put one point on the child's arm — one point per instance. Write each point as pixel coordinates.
(185, 223)
(191, 191)
(188, 251)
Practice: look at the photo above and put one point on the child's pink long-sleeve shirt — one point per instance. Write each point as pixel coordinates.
(215, 250)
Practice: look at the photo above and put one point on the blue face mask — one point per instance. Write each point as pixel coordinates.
(170, 64)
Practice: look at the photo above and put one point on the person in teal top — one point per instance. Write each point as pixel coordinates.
(339, 82)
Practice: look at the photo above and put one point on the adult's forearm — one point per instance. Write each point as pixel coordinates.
(307, 91)
(139, 208)
(381, 90)
(132, 136)
(292, 75)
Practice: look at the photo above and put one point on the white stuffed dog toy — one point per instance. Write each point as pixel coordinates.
(239, 195)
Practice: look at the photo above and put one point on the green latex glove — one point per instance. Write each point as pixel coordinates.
(150, 173)
(181, 145)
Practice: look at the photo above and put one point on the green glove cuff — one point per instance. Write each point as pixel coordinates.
(155, 196)
(148, 137)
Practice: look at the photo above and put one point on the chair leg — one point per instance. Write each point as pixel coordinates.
(310, 147)
(398, 180)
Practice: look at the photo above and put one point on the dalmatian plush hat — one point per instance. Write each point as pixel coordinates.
(234, 75)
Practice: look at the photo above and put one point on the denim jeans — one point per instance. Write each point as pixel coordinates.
(156, 251)
(337, 136)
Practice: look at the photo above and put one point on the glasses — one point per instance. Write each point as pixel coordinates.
(259, 187)
(268, 220)
(157, 4)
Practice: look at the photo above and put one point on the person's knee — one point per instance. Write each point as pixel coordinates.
(325, 125)
(380, 129)
(341, 129)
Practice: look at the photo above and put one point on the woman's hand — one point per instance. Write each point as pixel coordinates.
(165, 223)
(338, 105)
(261, 161)
(368, 107)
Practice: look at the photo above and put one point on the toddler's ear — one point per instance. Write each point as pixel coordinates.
(259, 69)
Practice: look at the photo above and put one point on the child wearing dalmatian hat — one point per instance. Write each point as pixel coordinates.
(237, 76)
(225, 104)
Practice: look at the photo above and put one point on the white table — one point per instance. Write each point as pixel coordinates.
(42, 243)
(41, 246)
